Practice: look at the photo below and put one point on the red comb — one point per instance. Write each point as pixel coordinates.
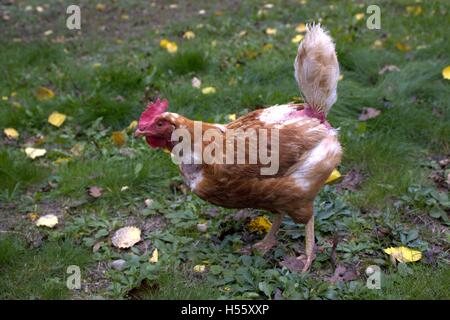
(153, 110)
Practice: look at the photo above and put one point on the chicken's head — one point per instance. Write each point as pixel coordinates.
(154, 127)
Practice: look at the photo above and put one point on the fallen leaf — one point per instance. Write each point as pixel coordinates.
(342, 273)
(33, 216)
(48, 33)
(389, 68)
(126, 237)
(149, 202)
(415, 10)
(268, 6)
(118, 138)
(189, 35)
(297, 38)
(100, 7)
(377, 44)
(56, 119)
(34, 153)
(199, 268)
(351, 181)
(96, 65)
(62, 160)
(95, 192)
(368, 113)
(271, 31)
(333, 176)
(292, 263)
(11, 133)
(209, 90)
(359, 16)
(43, 93)
(202, 227)
(301, 28)
(446, 73)
(196, 82)
(125, 17)
(97, 246)
(132, 125)
(124, 188)
(267, 47)
(403, 47)
(404, 254)
(155, 256)
(49, 220)
(232, 117)
(260, 224)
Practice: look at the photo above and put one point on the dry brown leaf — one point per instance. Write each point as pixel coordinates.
(351, 181)
(368, 113)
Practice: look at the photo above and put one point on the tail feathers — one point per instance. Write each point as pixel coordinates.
(317, 69)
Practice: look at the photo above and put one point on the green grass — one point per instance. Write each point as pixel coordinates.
(40, 273)
(102, 85)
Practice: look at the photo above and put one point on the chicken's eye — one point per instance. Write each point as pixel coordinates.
(160, 124)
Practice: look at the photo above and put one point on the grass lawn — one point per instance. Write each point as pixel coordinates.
(396, 166)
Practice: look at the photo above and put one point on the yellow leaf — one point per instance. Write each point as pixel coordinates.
(132, 125)
(118, 138)
(260, 225)
(416, 10)
(446, 73)
(33, 216)
(359, 16)
(333, 176)
(189, 35)
(125, 17)
(96, 65)
(297, 38)
(341, 77)
(4, 98)
(267, 47)
(232, 117)
(199, 268)
(43, 93)
(301, 28)
(11, 133)
(61, 160)
(154, 257)
(34, 153)
(163, 43)
(377, 43)
(100, 7)
(209, 90)
(56, 119)
(49, 221)
(165, 150)
(404, 254)
(271, 31)
(171, 47)
(126, 237)
(402, 47)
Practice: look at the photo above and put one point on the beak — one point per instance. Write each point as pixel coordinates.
(139, 133)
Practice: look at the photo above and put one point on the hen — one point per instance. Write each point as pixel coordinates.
(233, 171)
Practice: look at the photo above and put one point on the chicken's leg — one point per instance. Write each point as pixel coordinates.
(270, 239)
(309, 244)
